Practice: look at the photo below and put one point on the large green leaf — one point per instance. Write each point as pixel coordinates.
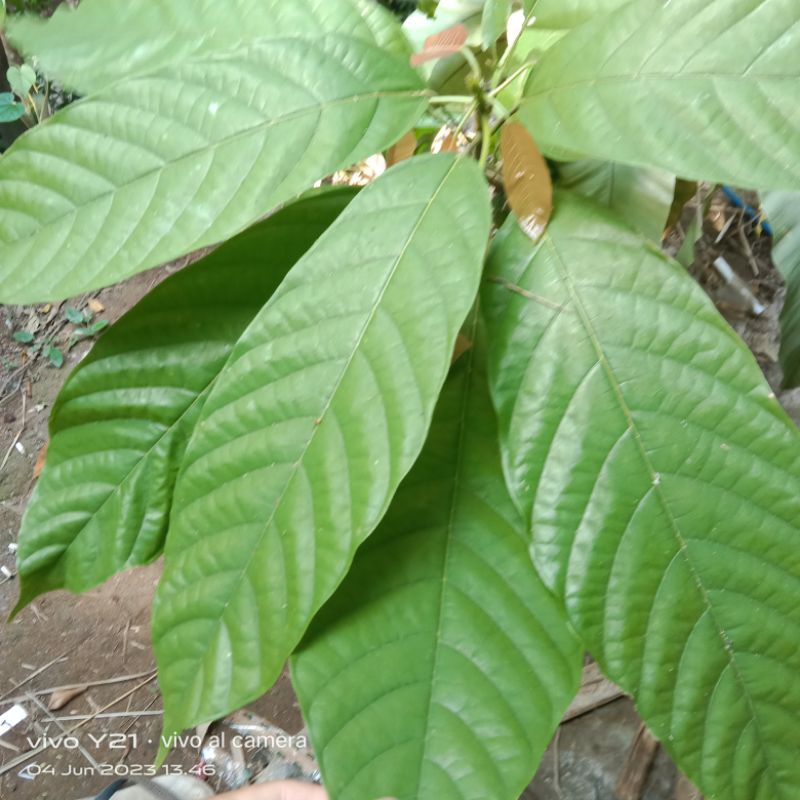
(101, 41)
(702, 88)
(783, 209)
(642, 197)
(661, 480)
(494, 21)
(442, 666)
(318, 415)
(120, 425)
(188, 156)
(563, 14)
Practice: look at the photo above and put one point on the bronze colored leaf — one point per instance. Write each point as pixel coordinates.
(402, 149)
(37, 469)
(527, 179)
(442, 44)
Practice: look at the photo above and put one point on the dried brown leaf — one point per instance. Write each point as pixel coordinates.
(95, 305)
(61, 697)
(402, 149)
(527, 179)
(442, 44)
(40, 459)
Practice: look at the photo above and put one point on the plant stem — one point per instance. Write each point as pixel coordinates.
(486, 138)
(506, 57)
(511, 78)
(451, 99)
(470, 111)
(474, 66)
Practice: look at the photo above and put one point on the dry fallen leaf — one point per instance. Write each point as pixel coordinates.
(61, 697)
(442, 44)
(527, 179)
(37, 469)
(402, 149)
(95, 305)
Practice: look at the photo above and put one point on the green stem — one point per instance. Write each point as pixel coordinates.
(474, 66)
(470, 111)
(511, 78)
(451, 99)
(486, 139)
(506, 57)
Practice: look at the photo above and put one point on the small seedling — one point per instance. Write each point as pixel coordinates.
(10, 109)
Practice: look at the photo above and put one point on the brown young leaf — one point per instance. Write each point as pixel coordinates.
(402, 149)
(441, 44)
(527, 179)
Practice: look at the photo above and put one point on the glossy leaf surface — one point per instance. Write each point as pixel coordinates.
(320, 412)
(642, 197)
(188, 156)
(103, 41)
(661, 481)
(121, 423)
(702, 88)
(442, 666)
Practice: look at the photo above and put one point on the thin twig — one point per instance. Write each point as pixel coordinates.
(537, 298)
(36, 673)
(90, 685)
(146, 712)
(41, 748)
(19, 433)
(46, 711)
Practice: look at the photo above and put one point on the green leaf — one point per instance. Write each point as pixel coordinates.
(10, 109)
(661, 480)
(570, 13)
(783, 210)
(494, 21)
(642, 197)
(21, 79)
(702, 88)
(318, 415)
(24, 337)
(120, 425)
(100, 42)
(55, 356)
(186, 157)
(73, 315)
(442, 666)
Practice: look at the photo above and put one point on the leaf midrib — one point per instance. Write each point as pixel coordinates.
(658, 491)
(168, 164)
(326, 407)
(118, 488)
(454, 496)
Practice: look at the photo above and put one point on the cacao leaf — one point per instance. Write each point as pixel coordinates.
(321, 410)
(661, 482)
(121, 422)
